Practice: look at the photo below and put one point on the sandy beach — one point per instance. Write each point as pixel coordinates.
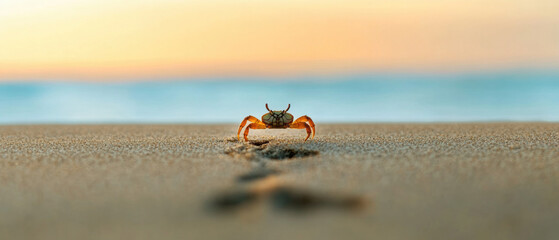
(352, 181)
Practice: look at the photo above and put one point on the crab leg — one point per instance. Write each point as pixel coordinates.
(306, 119)
(258, 125)
(301, 125)
(249, 118)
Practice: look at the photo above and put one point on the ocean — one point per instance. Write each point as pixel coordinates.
(465, 97)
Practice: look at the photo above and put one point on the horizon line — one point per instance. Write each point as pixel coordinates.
(285, 76)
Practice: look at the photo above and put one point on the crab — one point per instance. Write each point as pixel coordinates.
(277, 119)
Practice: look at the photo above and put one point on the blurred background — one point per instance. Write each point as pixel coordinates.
(214, 61)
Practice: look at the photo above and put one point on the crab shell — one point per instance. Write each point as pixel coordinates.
(277, 119)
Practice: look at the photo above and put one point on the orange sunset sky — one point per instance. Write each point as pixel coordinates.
(103, 39)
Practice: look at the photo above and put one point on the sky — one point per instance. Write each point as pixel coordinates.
(132, 39)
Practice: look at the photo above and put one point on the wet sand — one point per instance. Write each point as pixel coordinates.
(356, 181)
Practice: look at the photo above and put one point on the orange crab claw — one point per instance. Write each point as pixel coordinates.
(243, 123)
(302, 125)
(306, 119)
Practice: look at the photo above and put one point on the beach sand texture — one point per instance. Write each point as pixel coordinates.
(353, 181)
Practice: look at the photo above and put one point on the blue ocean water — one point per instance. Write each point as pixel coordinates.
(504, 96)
